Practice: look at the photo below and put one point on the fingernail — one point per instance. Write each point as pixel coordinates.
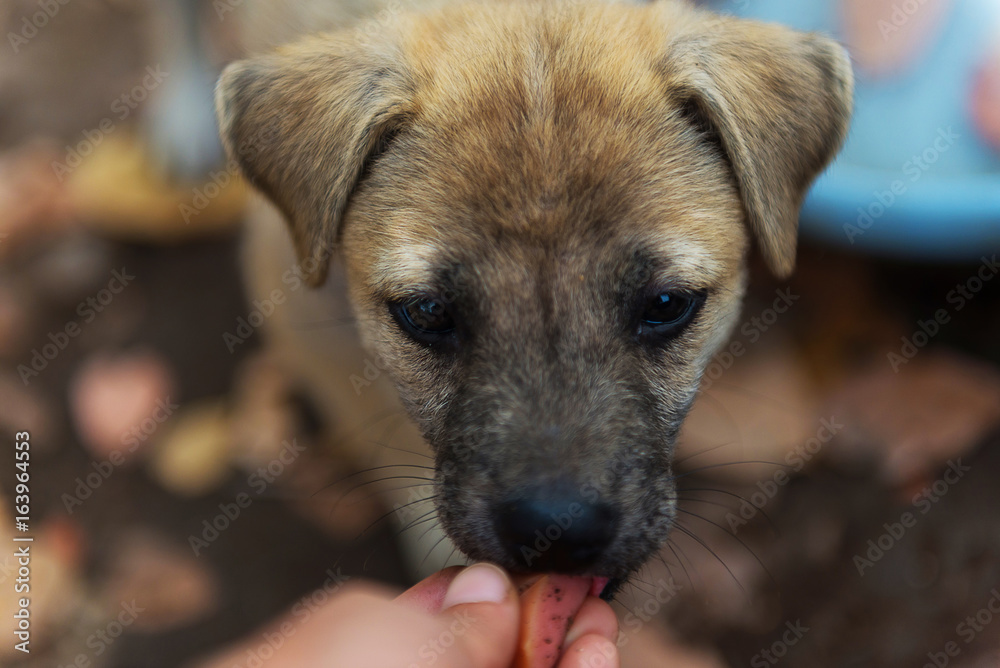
(480, 583)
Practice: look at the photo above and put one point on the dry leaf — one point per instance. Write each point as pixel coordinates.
(194, 455)
(119, 402)
(937, 407)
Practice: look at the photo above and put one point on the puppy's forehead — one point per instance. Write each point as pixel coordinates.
(675, 257)
(547, 127)
(540, 71)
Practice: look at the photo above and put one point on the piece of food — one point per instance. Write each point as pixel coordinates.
(548, 606)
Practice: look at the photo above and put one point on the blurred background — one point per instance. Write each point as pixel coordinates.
(185, 488)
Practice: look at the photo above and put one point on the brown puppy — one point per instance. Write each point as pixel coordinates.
(544, 210)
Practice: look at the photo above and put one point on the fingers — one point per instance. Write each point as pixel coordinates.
(428, 594)
(594, 618)
(476, 627)
(591, 651)
(481, 610)
(459, 618)
(590, 641)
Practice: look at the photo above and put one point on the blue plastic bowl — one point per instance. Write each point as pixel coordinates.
(915, 178)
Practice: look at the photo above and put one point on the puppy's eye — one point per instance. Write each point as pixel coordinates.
(667, 313)
(425, 319)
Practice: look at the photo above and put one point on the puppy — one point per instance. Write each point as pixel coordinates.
(543, 211)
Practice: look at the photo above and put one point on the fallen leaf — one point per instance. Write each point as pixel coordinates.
(118, 402)
(194, 454)
(174, 586)
(937, 407)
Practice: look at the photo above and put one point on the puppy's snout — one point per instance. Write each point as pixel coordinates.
(555, 532)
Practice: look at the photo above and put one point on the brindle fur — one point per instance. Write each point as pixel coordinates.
(540, 165)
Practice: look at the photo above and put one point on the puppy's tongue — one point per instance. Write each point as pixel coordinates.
(597, 582)
(548, 605)
(598, 585)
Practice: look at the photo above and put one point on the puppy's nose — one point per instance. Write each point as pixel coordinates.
(555, 532)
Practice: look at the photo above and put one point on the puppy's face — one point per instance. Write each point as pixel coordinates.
(544, 212)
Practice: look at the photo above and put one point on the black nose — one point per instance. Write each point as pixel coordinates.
(555, 532)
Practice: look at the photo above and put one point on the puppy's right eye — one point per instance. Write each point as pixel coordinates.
(426, 320)
(666, 314)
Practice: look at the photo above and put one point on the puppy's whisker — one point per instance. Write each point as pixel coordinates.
(678, 462)
(674, 548)
(717, 466)
(695, 499)
(636, 579)
(404, 450)
(431, 551)
(634, 599)
(451, 554)
(380, 480)
(425, 532)
(387, 491)
(387, 479)
(429, 516)
(774, 527)
(386, 515)
(763, 398)
(355, 474)
(707, 396)
(734, 537)
(690, 534)
(668, 566)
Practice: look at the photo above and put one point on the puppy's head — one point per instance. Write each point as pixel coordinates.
(544, 211)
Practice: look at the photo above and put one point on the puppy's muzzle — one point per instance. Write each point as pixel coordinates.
(555, 530)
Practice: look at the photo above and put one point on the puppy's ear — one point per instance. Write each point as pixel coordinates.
(303, 122)
(779, 103)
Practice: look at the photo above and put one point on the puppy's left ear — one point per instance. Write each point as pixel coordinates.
(303, 122)
(779, 102)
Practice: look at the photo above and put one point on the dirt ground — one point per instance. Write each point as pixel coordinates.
(839, 504)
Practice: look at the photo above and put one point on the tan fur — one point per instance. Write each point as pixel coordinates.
(540, 162)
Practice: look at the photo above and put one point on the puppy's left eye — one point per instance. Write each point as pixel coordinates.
(427, 320)
(667, 313)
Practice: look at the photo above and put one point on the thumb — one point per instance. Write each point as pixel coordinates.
(483, 608)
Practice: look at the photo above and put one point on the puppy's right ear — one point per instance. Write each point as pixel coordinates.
(302, 123)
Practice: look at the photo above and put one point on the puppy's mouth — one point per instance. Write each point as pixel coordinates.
(600, 586)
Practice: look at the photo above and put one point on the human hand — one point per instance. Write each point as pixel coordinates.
(457, 618)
